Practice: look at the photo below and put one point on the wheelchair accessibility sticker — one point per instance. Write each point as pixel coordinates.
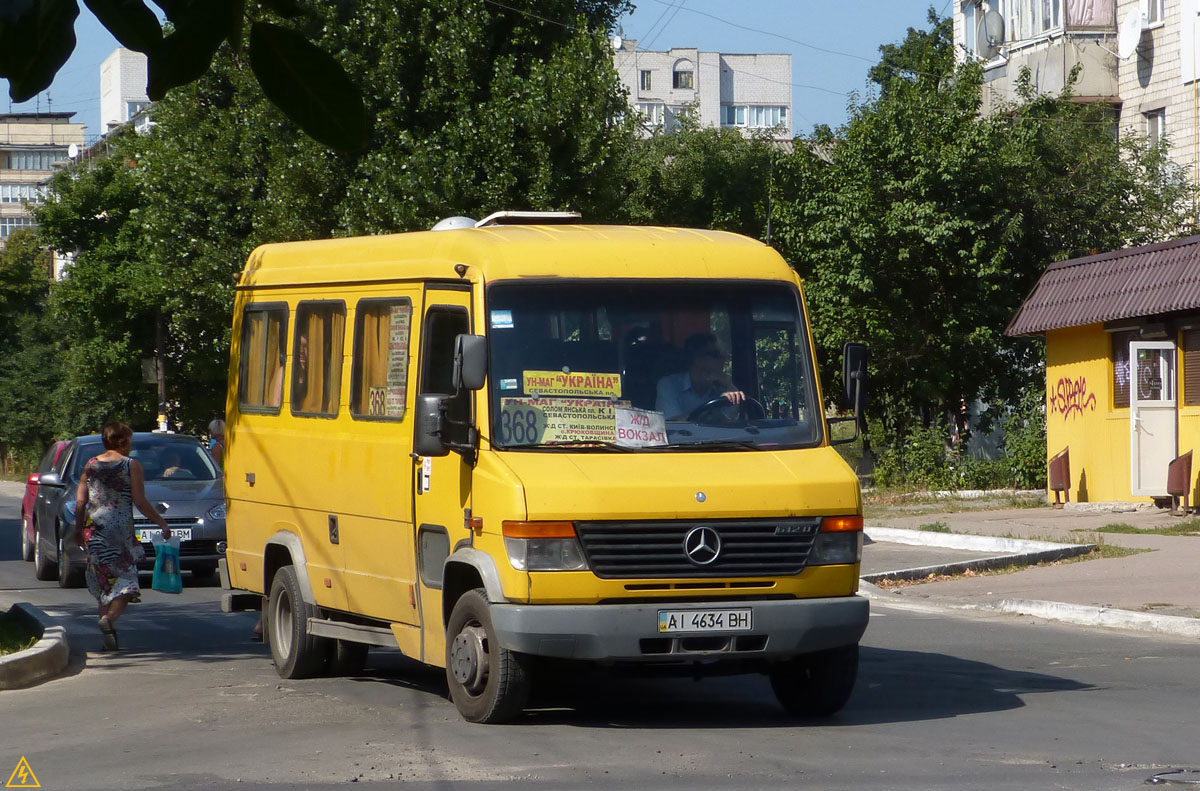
(22, 776)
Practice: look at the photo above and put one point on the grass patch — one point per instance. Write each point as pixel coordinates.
(881, 503)
(935, 527)
(1189, 528)
(13, 636)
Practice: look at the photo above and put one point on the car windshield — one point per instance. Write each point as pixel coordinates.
(162, 458)
(643, 365)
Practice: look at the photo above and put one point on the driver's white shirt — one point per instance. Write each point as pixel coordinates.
(676, 398)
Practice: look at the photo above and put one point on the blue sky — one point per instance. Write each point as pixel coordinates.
(832, 46)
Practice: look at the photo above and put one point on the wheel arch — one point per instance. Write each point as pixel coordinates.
(466, 569)
(285, 548)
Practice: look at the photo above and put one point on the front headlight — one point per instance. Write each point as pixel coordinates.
(217, 512)
(543, 546)
(839, 542)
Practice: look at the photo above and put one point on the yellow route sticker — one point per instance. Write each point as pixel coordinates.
(22, 776)
(578, 384)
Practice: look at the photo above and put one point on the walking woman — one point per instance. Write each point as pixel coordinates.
(112, 484)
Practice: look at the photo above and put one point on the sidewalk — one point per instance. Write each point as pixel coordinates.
(1163, 581)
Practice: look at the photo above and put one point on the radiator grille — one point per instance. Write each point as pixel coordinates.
(655, 549)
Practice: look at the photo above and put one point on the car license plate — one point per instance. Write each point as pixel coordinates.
(704, 620)
(147, 535)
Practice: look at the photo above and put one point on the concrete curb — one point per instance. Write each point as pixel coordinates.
(1019, 552)
(46, 659)
(1076, 614)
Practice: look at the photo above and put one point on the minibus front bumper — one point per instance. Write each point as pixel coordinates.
(631, 632)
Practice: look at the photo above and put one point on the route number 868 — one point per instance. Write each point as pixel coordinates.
(520, 426)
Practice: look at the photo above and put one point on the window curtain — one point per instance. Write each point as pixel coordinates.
(376, 329)
(274, 367)
(317, 387)
(333, 383)
(253, 337)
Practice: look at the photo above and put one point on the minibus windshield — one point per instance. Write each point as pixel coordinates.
(650, 365)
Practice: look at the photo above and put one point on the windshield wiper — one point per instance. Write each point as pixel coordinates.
(576, 443)
(726, 444)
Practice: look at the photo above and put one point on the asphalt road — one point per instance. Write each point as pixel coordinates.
(988, 702)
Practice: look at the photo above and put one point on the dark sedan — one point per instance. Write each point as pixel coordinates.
(49, 459)
(182, 482)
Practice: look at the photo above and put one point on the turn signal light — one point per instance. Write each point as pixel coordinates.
(539, 529)
(841, 524)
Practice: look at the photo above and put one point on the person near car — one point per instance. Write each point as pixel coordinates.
(216, 443)
(111, 485)
(704, 380)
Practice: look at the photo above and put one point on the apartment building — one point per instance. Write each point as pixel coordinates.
(1149, 77)
(745, 92)
(30, 145)
(122, 88)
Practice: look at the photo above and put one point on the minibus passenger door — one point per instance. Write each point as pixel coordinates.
(441, 484)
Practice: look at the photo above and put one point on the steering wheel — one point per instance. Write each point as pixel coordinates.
(747, 410)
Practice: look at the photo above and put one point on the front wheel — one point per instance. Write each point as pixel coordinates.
(488, 683)
(297, 654)
(26, 544)
(816, 684)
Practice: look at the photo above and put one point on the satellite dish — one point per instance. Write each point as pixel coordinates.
(618, 38)
(990, 34)
(73, 150)
(1131, 33)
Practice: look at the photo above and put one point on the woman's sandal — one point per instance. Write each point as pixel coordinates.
(108, 635)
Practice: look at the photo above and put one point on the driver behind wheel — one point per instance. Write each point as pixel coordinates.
(678, 395)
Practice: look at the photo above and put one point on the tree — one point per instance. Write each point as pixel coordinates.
(29, 369)
(923, 225)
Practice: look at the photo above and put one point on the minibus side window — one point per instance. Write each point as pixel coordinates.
(442, 326)
(317, 355)
(260, 374)
(379, 377)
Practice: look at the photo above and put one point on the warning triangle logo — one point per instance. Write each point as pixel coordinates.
(22, 776)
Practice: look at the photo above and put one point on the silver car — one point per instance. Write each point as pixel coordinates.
(182, 481)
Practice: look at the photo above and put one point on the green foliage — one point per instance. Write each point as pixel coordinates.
(1025, 439)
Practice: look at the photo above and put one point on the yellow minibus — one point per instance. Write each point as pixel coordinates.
(501, 443)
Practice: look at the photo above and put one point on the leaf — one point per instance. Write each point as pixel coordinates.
(35, 44)
(187, 53)
(130, 21)
(309, 86)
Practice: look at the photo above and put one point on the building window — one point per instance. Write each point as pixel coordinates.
(970, 21)
(317, 358)
(1156, 125)
(1120, 364)
(19, 193)
(1029, 18)
(1191, 367)
(683, 78)
(652, 113)
(644, 81)
(379, 381)
(1153, 10)
(755, 116)
(37, 160)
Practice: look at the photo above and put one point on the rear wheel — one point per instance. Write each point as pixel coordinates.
(43, 569)
(816, 684)
(26, 544)
(488, 683)
(68, 575)
(296, 652)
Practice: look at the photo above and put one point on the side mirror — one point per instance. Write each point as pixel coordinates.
(429, 423)
(854, 376)
(470, 362)
(49, 479)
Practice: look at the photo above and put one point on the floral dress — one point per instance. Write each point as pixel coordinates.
(113, 551)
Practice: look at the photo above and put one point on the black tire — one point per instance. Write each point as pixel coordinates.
(488, 683)
(26, 544)
(348, 659)
(816, 684)
(297, 654)
(43, 569)
(68, 576)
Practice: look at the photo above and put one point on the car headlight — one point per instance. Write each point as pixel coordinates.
(839, 542)
(543, 546)
(217, 511)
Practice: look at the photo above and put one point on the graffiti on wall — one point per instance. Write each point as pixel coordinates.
(1071, 397)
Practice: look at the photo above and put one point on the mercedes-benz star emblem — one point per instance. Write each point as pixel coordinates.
(702, 545)
(700, 497)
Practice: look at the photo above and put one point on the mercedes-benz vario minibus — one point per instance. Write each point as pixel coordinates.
(532, 439)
